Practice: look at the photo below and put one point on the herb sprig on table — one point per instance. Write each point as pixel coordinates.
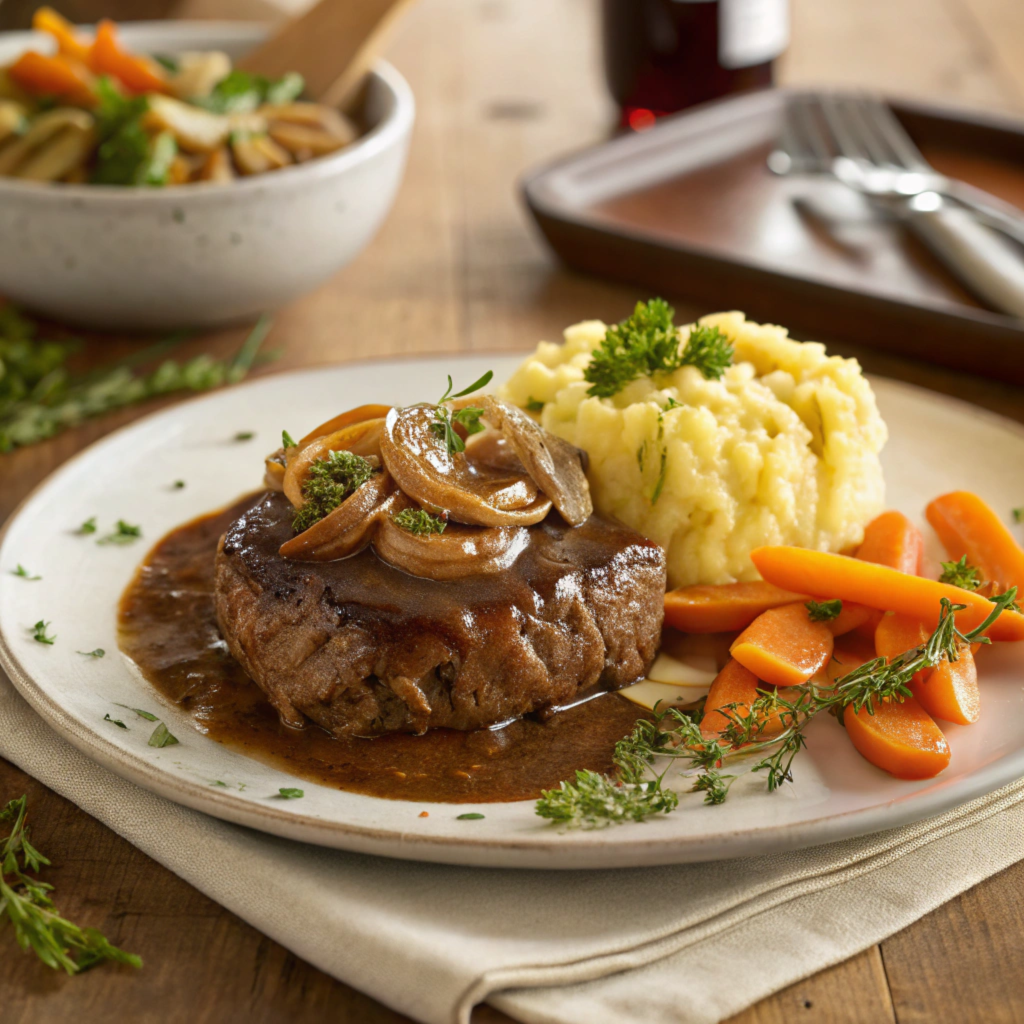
(25, 902)
(648, 343)
(40, 397)
(637, 791)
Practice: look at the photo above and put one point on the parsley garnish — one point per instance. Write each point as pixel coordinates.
(290, 794)
(469, 416)
(420, 522)
(89, 526)
(241, 92)
(124, 533)
(24, 573)
(647, 343)
(823, 611)
(39, 633)
(470, 816)
(97, 653)
(330, 481)
(162, 737)
(115, 721)
(637, 792)
(27, 905)
(960, 574)
(287, 440)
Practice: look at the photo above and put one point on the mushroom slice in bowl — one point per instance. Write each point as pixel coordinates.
(194, 129)
(346, 419)
(418, 458)
(344, 531)
(60, 155)
(448, 551)
(555, 465)
(43, 131)
(359, 439)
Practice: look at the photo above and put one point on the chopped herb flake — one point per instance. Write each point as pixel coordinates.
(178, 485)
(89, 526)
(245, 435)
(124, 533)
(470, 816)
(24, 573)
(162, 737)
(420, 522)
(142, 714)
(39, 633)
(534, 405)
(329, 482)
(115, 721)
(98, 653)
(1018, 514)
(290, 794)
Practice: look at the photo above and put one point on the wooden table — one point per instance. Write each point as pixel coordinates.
(500, 85)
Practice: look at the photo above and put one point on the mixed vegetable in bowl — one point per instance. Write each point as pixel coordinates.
(94, 112)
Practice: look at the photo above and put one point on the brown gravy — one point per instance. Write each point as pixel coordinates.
(168, 628)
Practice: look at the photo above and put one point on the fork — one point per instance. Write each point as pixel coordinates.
(879, 159)
(838, 136)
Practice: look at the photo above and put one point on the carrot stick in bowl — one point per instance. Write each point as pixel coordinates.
(106, 57)
(47, 20)
(878, 586)
(966, 525)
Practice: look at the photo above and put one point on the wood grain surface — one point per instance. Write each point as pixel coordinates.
(500, 86)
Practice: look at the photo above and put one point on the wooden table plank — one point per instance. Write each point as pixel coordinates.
(502, 85)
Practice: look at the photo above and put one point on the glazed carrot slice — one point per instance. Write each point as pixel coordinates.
(896, 634)
(850, 652)
(892, 539)
(950, 691)
(852, 617)
(47, 20)
(52, 76)
(734, 685)
(967, 526)
(878, 586)
(783, 647)
(139, 74)
(725, 608)
(346, 419)
(900, 738)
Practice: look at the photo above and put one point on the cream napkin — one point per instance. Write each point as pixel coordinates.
(657, 946)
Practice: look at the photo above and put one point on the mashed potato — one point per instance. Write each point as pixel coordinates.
(782, 450)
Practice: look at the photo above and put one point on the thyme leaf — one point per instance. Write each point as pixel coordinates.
(468, 417)
(27, 905)
(162, 737)
(960, 574)
(287, 441)
(147, 715)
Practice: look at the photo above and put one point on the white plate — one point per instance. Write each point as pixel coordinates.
(937, 445)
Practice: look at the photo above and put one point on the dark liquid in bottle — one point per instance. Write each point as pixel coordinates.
(664, 55)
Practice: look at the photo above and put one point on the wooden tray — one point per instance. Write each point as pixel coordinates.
(689, 208)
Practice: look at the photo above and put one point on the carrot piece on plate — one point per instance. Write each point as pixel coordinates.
(723, 608)
(47, 20)
(892, 539)
(851, 617)
(783, 646)
(849, 653)
(900, 738)
(967, 526)
(950, 690)
(734, 685)
(897, 634)
(106, 57)
(878, 586)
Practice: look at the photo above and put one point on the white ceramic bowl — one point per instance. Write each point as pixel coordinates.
(202, 254)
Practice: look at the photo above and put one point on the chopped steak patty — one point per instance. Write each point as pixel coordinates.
(363, 648)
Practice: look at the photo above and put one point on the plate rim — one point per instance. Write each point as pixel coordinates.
(530, 851)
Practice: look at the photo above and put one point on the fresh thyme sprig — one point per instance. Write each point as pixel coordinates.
(960, 574)
(647, 343)
(637, 792)
(420, 522)
(468, 417)
(39, 397)
(25, 902)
